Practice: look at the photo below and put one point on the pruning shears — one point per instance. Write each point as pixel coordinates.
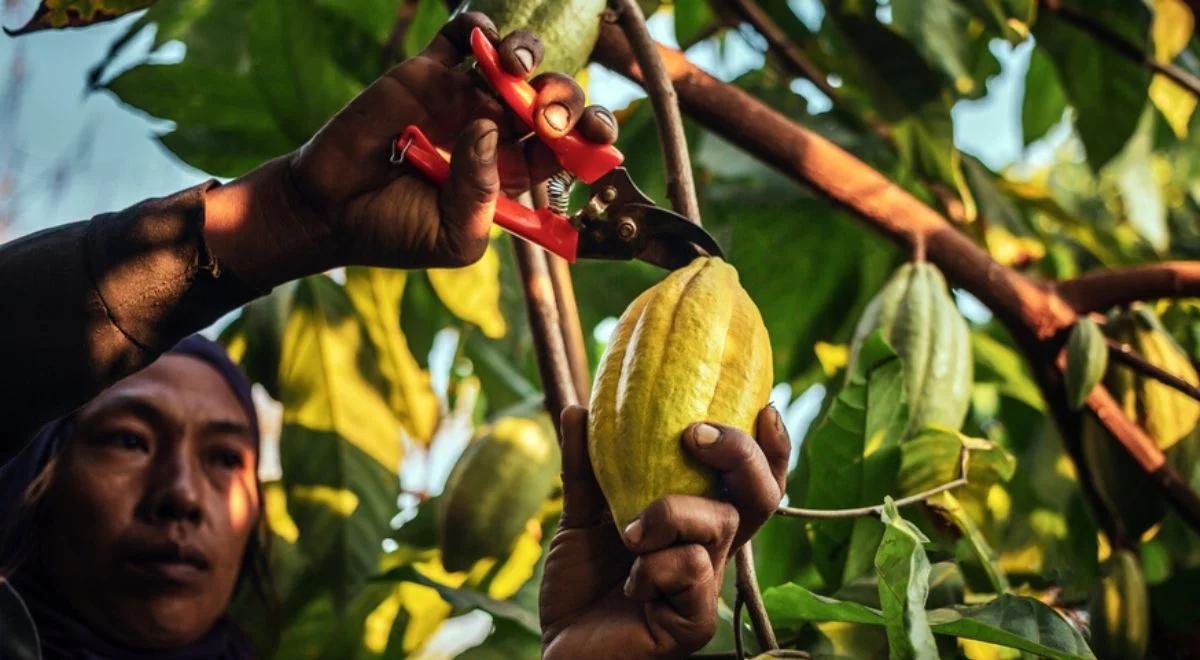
(617, 222)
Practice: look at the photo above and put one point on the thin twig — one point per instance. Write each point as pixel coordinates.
(832, 514)
(1122, 46)
(1125, 354)
(739, 647)
(681, 188)
(393, 48)
(542, 309)
(572, 330)
(747, 586)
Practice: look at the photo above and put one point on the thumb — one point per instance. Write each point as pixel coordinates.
(468, 200)
(583, 501)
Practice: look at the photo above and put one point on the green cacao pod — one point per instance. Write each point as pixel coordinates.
(1166, 414)
(691, 348)
(497, 485)
(917, 316)
(568, 28)
(1119, 610)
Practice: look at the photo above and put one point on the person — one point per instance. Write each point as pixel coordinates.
(131, 509)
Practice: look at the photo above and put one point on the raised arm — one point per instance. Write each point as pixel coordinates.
(88, 303)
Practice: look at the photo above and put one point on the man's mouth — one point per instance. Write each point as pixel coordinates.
(168, 561)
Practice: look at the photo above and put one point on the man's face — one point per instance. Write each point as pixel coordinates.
(152, 505)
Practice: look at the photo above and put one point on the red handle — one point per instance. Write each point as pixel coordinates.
(587, 160)
(542, 226)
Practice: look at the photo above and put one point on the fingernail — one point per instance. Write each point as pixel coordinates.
(607, 118)
(779, 427)
(633, 531)
(706, 435)
(485, 146)
(557, 116)
(525, 57)
(628, 588)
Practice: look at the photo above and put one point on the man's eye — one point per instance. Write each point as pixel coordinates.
(229, 459)
(126, 440)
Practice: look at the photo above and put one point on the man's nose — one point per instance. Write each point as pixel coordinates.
(175, 489)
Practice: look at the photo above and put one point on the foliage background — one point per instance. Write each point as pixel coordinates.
(382, 374)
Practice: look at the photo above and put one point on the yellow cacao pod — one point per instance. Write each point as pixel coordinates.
(1166, 414)
(1119, 610)
(497, 485)
(691, 348)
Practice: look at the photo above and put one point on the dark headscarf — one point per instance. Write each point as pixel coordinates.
(62, 634)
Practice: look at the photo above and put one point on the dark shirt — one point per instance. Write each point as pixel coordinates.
(84, 305)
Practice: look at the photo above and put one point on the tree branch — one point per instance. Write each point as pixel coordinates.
(1121, 46)
(1125, 354)
(681, 188)
(1099, 290)
(542, 309)
(877, 509)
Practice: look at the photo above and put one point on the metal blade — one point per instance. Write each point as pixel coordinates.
(648, 233)
(621, 222)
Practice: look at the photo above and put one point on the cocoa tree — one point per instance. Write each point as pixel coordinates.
(897, 537)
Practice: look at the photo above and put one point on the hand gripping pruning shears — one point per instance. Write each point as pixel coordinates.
(617, 222)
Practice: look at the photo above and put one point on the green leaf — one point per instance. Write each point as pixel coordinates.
(1017, 622)
(255, 337)
(468, 599)
(340, 446)
(1044, 100)
(429, 18)
(946, 34)
(972, 536)
(1013, 621)
(934, 457)
(508, 640)
(999, 363)
(903, 571)
(1087, 360)
(55, 14)
(692, 19)
(1106, 88)
(852, 459)
(259, 78)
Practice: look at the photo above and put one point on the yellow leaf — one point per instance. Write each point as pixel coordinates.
(1174, 102)
(339, 500)
(473, 293)
(1010, 250)
(976, 650)
(1171, 31)
(521, 562)
(323, 387)
(375, 294)
(831, 356)
(278, 519)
